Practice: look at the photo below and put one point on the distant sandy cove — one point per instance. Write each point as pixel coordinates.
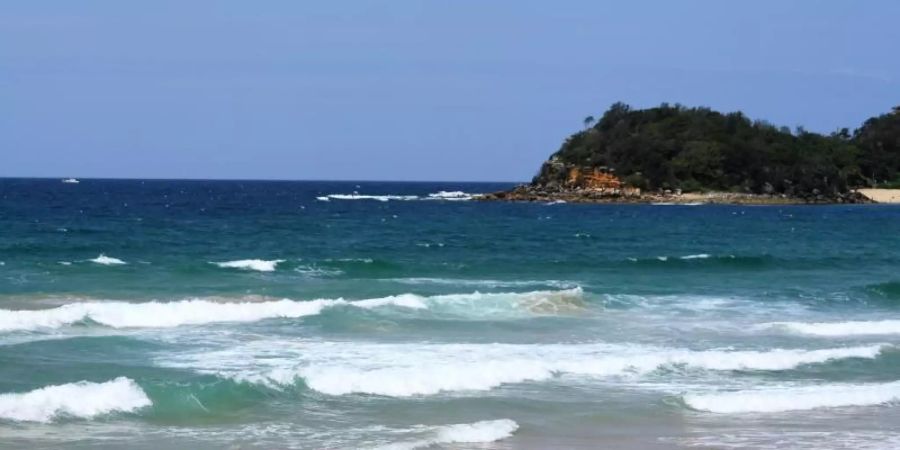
(882, 195)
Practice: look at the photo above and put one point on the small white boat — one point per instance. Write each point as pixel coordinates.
(70, 180)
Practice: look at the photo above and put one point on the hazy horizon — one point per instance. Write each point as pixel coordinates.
(406, 91)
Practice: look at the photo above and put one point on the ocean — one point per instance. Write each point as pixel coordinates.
(157, 314)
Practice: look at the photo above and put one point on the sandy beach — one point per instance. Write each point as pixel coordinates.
(882, 195)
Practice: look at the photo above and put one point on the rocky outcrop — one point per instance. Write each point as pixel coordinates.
(560, 182)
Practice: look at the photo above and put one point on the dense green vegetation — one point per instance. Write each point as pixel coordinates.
(693, 149)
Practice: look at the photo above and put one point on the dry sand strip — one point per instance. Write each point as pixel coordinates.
(882, 195)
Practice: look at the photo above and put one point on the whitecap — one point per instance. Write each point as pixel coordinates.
(185, 312)
(118, 314)
(451, 196)
(697, 256)
(81, 400)
(485, 431)
(404, 370)
(260, 265)
(380, 198)
(107, 260)
(795, 398)
(314, 271)
(488, 283)
(831, 329)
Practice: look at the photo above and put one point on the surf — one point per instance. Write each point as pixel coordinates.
(405, 370)
(81, 400)
(795, 398)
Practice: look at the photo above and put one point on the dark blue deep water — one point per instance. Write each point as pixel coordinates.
(256, 314)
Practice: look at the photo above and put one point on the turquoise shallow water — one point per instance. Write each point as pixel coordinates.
(210, 314)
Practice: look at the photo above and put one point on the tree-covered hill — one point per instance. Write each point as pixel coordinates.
(698, 149)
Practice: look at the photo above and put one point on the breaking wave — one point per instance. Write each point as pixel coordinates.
(79, 400)
(380, 198)
(451, 196)
(185, 312)
(107, 260)
(260, 265)
(441, 195)
(403, 370)
(463, 433)
(118, 314)
(830, 329)
(559, 284)
(795, 398)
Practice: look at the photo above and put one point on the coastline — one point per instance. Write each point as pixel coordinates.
(526, 193)
(890, 196)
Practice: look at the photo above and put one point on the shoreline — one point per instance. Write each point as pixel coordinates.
(529, 194)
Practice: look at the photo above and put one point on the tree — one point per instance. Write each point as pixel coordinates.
(700, 149)
(588, 121)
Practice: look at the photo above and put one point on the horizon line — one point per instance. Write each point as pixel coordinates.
(6, 177)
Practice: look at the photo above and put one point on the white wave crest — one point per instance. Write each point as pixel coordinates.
(260, 265)
(451, 196)
(184, 312)
(380, 198)
(403, 370)
(697, 256)
(118, 314)
(441, 195)
(484, 431)
(560, 284)
(795, 398)
(830, 329)
(107, 260)
(492, 372)
(82, 400)
(498, 305)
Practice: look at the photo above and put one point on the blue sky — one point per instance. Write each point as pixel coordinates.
(403, 89)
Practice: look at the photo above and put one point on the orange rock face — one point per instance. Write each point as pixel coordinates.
(592, 178)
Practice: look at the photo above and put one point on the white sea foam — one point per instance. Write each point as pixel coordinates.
(795, 398)
(185, 312)
(260, 265)
(505, 304)
(798, 439)
(82, 400)
(402, 370)
(831, 329)
(380, 198)
(463, 433)
(441, 195)
(315, 271)
(451, 196)
(560, 284)
(155, 314)
(697, 256)
(107, 260)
